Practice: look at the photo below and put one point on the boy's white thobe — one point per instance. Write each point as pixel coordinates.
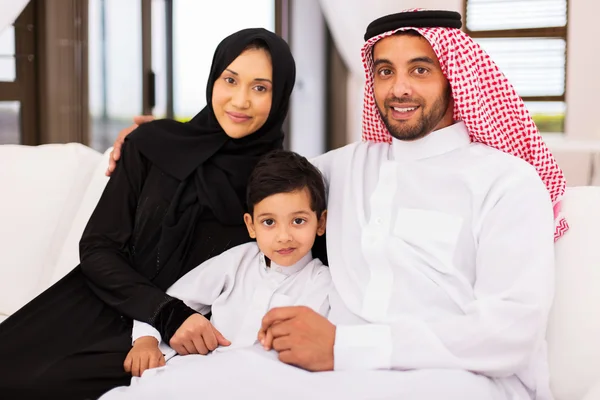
(240, 288)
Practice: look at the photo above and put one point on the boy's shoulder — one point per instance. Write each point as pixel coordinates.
(318, 270)
(241, 252)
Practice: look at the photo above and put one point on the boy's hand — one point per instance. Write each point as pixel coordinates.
(144, 355)
(197, 336)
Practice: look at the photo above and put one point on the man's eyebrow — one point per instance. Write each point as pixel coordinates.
(380, 61)
(424, 59)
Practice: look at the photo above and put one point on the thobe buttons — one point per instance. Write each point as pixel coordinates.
(379, 221)
(279, 269)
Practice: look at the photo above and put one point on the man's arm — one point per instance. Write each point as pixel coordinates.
(115, 154)
(503, 327)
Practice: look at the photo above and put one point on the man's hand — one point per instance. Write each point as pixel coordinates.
(197, 336)
(115, 154)
(301, 336)
(144, 355)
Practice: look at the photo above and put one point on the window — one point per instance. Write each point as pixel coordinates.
(528, 41)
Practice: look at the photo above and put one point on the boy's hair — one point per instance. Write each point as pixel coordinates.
(283, 171)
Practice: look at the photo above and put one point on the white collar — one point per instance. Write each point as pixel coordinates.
(288, 271)
(436, 143)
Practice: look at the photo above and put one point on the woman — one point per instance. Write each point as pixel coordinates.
(175, 200)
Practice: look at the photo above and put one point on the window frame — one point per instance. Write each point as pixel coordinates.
(560, 32)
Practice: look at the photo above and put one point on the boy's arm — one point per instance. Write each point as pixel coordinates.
(200, 287)
(141, 329)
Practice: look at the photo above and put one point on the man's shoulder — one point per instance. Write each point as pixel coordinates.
(351, 151)
(503, 164)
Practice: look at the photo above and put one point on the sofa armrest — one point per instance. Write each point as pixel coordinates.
(593, 393)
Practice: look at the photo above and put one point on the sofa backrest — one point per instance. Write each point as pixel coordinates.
(574, 325)
(42, 188)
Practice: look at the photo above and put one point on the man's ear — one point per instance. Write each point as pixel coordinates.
(249, 225)
(322, 223)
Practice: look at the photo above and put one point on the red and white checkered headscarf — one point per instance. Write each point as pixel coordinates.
(484, 100)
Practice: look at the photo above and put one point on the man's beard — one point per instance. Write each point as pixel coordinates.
(426, 122)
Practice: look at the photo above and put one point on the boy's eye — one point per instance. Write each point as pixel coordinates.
(299, 221)
(268, 222)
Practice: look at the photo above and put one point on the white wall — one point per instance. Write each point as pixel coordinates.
(308, 107)
(577, 152)
(583, 69)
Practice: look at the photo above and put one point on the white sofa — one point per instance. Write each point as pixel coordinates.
(48, 193)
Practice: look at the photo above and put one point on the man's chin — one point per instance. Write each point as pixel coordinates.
(406, 135)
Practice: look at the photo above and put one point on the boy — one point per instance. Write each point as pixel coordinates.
(286, 211)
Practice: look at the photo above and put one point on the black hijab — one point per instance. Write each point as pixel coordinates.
(214, 168)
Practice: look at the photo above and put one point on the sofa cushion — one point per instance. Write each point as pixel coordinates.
(69, 254)
(42, 187)
(574, 326)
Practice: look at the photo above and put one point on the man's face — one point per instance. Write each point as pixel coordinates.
(411, 92)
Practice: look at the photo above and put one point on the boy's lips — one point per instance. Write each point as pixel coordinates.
(284, 252)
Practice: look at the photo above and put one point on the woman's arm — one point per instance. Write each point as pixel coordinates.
(104, 247)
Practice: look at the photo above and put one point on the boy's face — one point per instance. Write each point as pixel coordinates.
(285, 227)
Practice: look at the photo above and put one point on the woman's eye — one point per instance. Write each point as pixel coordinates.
(260, 88)
(230, 80)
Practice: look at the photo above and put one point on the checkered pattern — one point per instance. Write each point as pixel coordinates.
(484, 100)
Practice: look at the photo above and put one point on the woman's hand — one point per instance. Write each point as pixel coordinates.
(144, 355)
(197, 336)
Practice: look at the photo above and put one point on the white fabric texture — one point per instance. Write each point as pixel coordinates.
(574, 325)
(42, 188)
(432, 253)
(69, 253)
(239, 288)
(252, 373)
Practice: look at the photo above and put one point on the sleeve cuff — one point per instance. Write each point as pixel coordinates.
(141, 329)
(362, 347)
(170, 318)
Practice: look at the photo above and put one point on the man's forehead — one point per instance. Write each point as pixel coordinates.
(404, 47)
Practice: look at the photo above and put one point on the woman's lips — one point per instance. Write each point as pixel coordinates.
(238, 118)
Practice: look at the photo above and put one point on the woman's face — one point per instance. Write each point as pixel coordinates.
(242, 95)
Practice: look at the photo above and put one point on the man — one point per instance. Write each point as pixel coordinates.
(440, 232)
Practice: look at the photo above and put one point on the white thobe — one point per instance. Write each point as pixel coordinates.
(239, 288)
(441, 253)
